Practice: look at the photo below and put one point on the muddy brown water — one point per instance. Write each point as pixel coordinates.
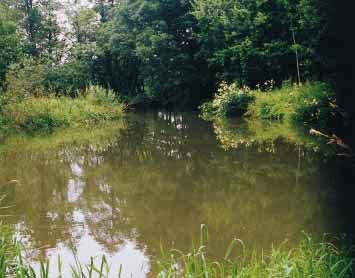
(124, 189)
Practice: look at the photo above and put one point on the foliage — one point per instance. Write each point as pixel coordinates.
(9, 40)
(153, 52)
(274, 104)
(315, 103)
(168, 52)
(309, 103)
(311, 259)
(24, 80)
(85, 23)
(229, 101)
(69, 78)
(101, 96)
(48, 113)
(254, 41)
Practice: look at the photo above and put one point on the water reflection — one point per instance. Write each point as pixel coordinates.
(123, 190)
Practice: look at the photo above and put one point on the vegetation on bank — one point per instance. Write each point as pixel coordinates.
(310, 259)
(47, 113)
(311, 103)
(326, 258)
(169, 52)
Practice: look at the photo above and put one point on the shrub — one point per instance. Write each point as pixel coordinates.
(229, 101)
(25, 79)
(101, 96)
(69, 78)
(310, 103)
(48, 113)
(272, 105)
(315, 103)
(207, 110)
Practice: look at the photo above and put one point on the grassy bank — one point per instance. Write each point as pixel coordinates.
(325, 258)
(310, 259)
(312, 103)
(47, 113)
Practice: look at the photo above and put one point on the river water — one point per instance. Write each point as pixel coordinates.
(124, 189)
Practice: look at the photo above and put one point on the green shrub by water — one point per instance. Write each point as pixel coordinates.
(310, 103)
(44, 114)
(315, 103)
(229, 101)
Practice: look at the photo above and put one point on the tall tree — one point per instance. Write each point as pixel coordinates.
(9, 39)
(52, 45)
(154, 39)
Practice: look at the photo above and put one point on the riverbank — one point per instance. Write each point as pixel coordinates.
(312, 104)
(311, 258)
(49, 113)
(329, 257)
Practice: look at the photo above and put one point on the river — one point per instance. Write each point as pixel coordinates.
(124, 189)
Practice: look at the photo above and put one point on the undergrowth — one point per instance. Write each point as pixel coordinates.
(311, 103)
(327, 258)
(310, 259)
(47, 113)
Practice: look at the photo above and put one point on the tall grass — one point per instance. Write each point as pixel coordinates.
(310, 259)
(34, 114)
(310, 103)
(323, 259)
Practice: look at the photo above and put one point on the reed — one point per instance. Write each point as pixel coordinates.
(310, 259)
(330, 257)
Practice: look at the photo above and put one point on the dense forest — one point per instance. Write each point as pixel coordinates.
(170, 52)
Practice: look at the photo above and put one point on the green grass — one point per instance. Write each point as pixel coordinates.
(310, 259)
(312, 103)
(45, 114)
(288, 113)
(327, 258)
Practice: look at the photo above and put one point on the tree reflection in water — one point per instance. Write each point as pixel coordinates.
(124, 189)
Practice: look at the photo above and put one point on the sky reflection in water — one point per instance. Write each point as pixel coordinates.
(124, 189)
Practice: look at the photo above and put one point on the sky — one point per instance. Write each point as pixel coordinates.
(70, 6)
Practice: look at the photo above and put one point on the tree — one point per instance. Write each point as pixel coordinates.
(52, 46)
(9, 39)
(85, 22)
(255, 41)
(104, 8)
(153, 42)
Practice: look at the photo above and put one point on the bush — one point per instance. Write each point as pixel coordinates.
(100, 95)
(68, 79)
(309, 103)
(273, 105)
(49, 113)
(229, 101)
(23, 80)
(315, 103)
